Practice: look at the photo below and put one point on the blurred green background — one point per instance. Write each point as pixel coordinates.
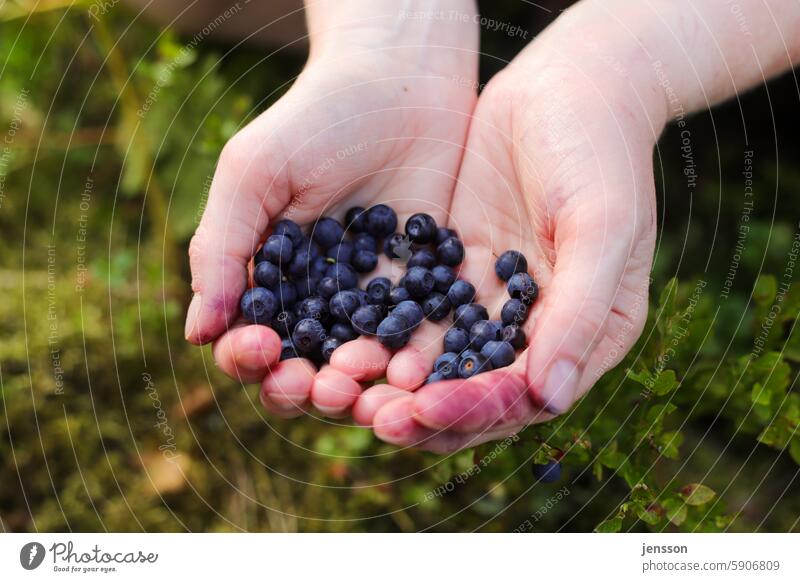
(110, 421)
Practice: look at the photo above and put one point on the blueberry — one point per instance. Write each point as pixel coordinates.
(286, 294)
(267, 275)
(365, 242)
(393, 332)
(434, 377)
(364, 261)
(327, 232)
(461, 293)
(327, 287)
(380, 220)
(436, 306)
(549, 472)
(319, 267)
(514, 311)
(304, 256)
(450, 252)
(328, 346)
(344, 332)
(306, 287)
(284, 323)
(481, 332)
(473, 364)
(443, 278)
(456, 340)
(466, 315)
(343, 305)
(442, 234)
(362, 297)
(447, 365)
(397, 246)
(278, 249)
(421, 228)
(354, 219)
(419, 282)
(500, 353)
(314, 308)
(258, 305)
(344, 274)
(378, 291)
(308, 334)
(289, 228)
(341, 253)
(366, 318)
(422, 258)
(509, 263)
(288, 350)
(398, 294)
(522, 286)
(411, 311)
(514, 335)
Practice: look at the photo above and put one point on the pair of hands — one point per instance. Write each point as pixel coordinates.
(548, 161)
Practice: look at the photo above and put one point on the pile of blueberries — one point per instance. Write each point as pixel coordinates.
(306, 289)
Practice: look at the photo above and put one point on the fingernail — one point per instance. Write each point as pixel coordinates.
(253, 360)
(560, 387)
(191, 316)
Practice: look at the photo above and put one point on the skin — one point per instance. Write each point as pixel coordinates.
(563, 141)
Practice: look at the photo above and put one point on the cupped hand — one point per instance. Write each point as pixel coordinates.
(356, 129)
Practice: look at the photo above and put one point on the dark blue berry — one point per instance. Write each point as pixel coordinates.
(259, 305)
(434, 377)
(362, 297)
(314, 308)
(398, 294)
(397, 246)
(514, 311)
(421, 228)
(378, 291)
(435, 306)
(341, 253)
(514, 335)
(327, 287)
(289, 228)
(393, 332)
(522, 286)
(460, 293)
(319, 266)
(442, 234)
(473, 364)
(364, 261)
(481, 332)
(549, 472)
(306, 287)
(365, 242)
(284, 323)
(422, 258)
(278, 249)
(411, 311)
(447, 365)
(343, 331)
(344, 274)
(466, 315)
(380, 221)
(366, 318)
(443, 278)
(509, 263)
(500, 353)
(328, 347)
(456, 340)
(267, 275)
(343, 305)
(354, 219)
(419, 282)
(286, 294)
(288, 351)
(450, 252)
(327, 232)
(308, 335)
(304, 256)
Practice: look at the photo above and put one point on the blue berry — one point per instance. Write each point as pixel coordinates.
(456, 340)
(378, 291)
(514, 311)
(366, 318)
(308, 335)
(422, 258)
(398, 294)
(443, 278)
(344, 332)
(314, 308)
(450, 252)
(393, 332)
(522, 286)
(341, 253)
(306, 287)
(460, 293)
(328, 347)
(421, 228)
(289, 228)
(397, 246)
(481, 332)
(380, 221)
(327, 232)
(362, 297)
(419, 282)
(304, 256)
(364, 261)
(286, 293)
(319, 266)
(447, 365)
(434, 377)
(278, 249)
(500, 354)
(514, 335)
(473, 364)
(344, 274)
(510, 263)
(549, 472)
(259, 305)
(411, 311)
(436, 306)
(284, 323)
(442, 234)
(343, 305)
(365, 242)
(267, 275)
(288, 350)
(466, 315)
(327, 287)
(354, 219)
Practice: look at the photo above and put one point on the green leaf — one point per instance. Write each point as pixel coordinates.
(610, 456)
(659, 384)
(675, 510)
(648, 515)
(697, 494)
(794, 449)
(765, 289)
(670, 442)
(609, 526)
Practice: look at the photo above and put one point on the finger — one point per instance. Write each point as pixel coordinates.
(448, 442)
(333, 392)
(287, 385)
(363, 359)
(394, 423)
(283, 411)
(372, 400)
(246, 352)
(411, 365)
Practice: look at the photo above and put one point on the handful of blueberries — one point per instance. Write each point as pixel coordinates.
(307, 291)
